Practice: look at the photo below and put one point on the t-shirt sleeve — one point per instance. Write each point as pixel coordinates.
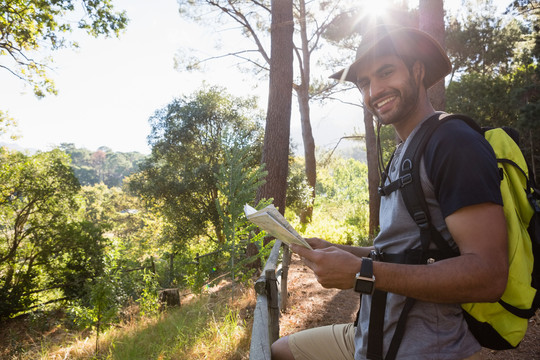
(462, 167)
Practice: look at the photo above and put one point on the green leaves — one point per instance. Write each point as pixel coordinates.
(28, 26)
(237, 183)
(102, 165)
(44, 245)
(481, 41)
(190, 138)
(204, 167)
(496, 60)
(486, 98)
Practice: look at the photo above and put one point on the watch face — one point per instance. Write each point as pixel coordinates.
(364, 286)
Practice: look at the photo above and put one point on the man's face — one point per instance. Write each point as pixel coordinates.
(389, 89)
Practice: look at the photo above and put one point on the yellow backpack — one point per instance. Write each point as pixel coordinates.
(508, 317)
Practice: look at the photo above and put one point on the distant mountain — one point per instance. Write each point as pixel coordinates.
(19, 148)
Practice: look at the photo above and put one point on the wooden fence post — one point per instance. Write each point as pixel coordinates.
(273, 305)
(260, 347)
(285, 276)
(266, 317)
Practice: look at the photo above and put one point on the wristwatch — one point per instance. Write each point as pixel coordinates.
(365, 280)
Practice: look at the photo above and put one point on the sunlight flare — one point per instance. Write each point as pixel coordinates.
(376, 9)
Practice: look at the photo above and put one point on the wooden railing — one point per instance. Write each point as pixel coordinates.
(266, 317)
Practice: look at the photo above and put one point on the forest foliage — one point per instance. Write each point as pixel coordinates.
(95, 231)
(496, 73)
(68, 236)
(103, 165)
(31, 26)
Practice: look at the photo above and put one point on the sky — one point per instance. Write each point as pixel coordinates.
(109, 88)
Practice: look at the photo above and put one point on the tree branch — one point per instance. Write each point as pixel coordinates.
(335, 147)
(235, 54)
(237, 16)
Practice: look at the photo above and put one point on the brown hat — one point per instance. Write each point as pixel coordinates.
(406, 42)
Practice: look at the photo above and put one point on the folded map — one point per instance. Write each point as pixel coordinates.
(270, 220)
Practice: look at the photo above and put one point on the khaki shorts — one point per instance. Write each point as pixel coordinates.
(334, 342)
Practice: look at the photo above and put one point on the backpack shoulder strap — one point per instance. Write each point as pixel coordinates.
(410, 185)
(413, 194)
(466, 119)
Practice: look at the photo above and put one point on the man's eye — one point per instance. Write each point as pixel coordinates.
(362, 84)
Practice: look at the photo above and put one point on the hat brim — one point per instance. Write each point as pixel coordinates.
(406, 42)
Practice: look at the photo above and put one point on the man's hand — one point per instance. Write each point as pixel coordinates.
(317, 243)
(333, 267)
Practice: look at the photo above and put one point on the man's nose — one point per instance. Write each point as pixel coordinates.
(376, 88)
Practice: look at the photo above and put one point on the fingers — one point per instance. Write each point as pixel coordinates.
(333, 267)
(317, 243)
(305, 253)
(299, 249)
(308, 256)
(296, 248)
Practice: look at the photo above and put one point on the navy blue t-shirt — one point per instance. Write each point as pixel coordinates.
(462, 167)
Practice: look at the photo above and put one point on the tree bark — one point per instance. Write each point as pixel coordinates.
(169, 298)
(373, 173)
(309, 150)
(278, 118)
(302, 91)
(431, 20)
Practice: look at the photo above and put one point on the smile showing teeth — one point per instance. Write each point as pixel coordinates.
(384, 102)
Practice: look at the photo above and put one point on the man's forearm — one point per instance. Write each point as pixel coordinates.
(478, 280)
(356, 250)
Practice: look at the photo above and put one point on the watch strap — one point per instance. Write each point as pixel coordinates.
(366, 269)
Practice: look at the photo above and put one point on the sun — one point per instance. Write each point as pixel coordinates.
(375, 12)
(375, 9)
(371, 12)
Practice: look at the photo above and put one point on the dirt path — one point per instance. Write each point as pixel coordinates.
(310, 305)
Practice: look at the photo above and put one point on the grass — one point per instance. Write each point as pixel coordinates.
(209, 326)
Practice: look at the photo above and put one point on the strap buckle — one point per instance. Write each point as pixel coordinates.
(421, 219)
(406, 179)
(376, 255)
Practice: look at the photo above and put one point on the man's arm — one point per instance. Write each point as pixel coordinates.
(317, 243)
(479, 274)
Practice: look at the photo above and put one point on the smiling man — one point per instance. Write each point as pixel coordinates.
(393, 70)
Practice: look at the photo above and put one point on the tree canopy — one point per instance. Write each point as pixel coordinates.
(483, 42)
(44, 246)
(189, 139)
(497, 73)
(103, 165)
(29, 26)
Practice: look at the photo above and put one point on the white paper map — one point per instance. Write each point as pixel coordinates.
(270, 220)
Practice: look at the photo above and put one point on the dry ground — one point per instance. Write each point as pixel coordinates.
(311, 305)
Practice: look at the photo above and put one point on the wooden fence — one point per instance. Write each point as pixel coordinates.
(266, 318)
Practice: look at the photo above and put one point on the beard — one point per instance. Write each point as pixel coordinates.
(407, 99)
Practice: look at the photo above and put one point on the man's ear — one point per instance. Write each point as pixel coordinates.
(419, 71)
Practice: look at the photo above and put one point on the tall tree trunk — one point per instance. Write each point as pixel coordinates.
(309, 148)
(431, 20)
(533, 165)
(278, 118)
(302, 91)
(373, 173)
